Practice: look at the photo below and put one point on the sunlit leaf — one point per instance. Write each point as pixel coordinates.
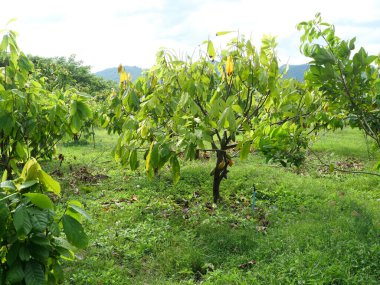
(211, 50)
(224, 33)
(40, 200)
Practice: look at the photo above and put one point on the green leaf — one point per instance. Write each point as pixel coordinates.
(153, 158)
(73, 108)
(40, 200)
(133, 100)
(21, 221)
(211, 50)
(237, 109)
(183, 101)
(176, 169)
(308, 99)
(13, 164)
(224, 33)
(34, 273)
(231, 120)
(28, 184)
(24, 253)
(11, 21)
(4, 43)
(49, 182)
(12, 254)
(75, 123)
(40, 218)
(133, 160)
(58, 273)
(4, 177)
(144, 131)
(222, 119)
(15, 274)
(352, 43)
(20, 150)
(83, 111)
(74, 232)
(245, 149)
(30, 170)
(80, 210)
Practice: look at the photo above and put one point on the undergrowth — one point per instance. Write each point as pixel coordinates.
(300, 226)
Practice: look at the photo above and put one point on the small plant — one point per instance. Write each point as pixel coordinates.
(31, 245)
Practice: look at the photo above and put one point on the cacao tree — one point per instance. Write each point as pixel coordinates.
(347, 79)
(228, 103)
(32, 119)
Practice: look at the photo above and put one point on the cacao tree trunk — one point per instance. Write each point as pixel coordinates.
(216, 185)
(218, 175)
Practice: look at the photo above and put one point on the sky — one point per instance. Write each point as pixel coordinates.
(105, 33)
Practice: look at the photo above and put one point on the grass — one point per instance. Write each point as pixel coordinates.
(310, 226)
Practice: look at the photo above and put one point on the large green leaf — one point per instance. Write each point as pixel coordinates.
(153, 157)
(40, 218)
(34, 273)
(133, 159)
(21, 221)
(49, 182)
(83, 111)
(30, 170)
(75, 123)
(74, 232)
(15, 274)
(40, 200)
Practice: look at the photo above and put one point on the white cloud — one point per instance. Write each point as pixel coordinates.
(105, 33)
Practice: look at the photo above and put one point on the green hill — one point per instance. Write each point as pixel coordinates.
(111, 73)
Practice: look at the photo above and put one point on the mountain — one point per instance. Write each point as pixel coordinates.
(294, 71)
(111, 73)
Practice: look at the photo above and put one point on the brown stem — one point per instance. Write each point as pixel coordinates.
(217, 178)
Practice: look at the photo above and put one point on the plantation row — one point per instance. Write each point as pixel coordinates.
(227, 102)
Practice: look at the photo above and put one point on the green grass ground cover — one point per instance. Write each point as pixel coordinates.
(310, 226)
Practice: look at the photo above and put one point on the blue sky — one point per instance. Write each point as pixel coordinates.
(105, 33)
